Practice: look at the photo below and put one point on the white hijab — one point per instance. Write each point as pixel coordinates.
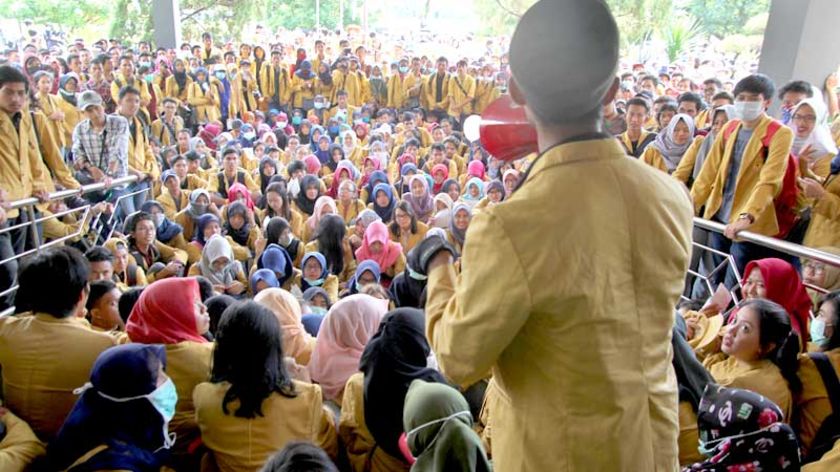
(820, 139)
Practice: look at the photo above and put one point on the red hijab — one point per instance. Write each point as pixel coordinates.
(165, 313)
(785, 288)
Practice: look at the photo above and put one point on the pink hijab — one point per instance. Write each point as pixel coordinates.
(378, 232)
(342, 338)
(297, 342)
(476, 169)
(320, 203)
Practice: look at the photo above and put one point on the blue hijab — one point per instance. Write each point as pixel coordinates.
(376, 177)
(323, 156)
(304, 285)
(203, 221)
(277, 259)
(168, 229)
(835, 165)
(265, 275)
(365, 266)
(132, 430)
(387, 212)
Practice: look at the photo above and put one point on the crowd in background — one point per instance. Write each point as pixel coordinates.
(256, 289)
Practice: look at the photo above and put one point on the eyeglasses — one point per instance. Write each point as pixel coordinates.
(804, 119)
(814, 267)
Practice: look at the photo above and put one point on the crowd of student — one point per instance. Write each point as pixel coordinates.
(259, 287)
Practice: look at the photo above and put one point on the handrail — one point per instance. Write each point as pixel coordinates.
(61, 194)
(773, 243)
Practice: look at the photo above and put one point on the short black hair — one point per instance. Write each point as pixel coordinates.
(98, 289)
(299, 456)
(437, 147)
(756, 83)
(128, 90)
(408, 116)
(714, 80)
(693, 98)
(127, 301)
(64, 270)
(169, 100)
(640, 102)
(11, 75)
(724, 95)
(230, 150)
(651, 77)
(797, 86)
(99, 254)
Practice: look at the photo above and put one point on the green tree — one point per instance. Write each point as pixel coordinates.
(679, 37)
(722, 18)
(69, 14)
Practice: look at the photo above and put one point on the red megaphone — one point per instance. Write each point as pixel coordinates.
(503, 129)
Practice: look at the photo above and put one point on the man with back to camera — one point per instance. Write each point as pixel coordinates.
(574, 321)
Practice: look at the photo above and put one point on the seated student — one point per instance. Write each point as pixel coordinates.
(474, 193)
(230, 174)
(310, 190)
(241, 227)
(439, 429)
(216, 305)
(172, 197)
(323, 206)
(39, 376)
(420, 198)
(367, 272)
(194, 175)
(330, 241)
(300, 456)
(103, 306)
(120, 421)
(252, 407)
(297, 343)
(276, 259)
(818, 274)
(170, 312)
(367, 193)
(453, 189)
(406, 229)
(19, 446)
(277, 204)
(813, 404)
(127, 301)
(457, 231)
(778, 281)
(200, 204)
(315, 273)
(348, 205)
(443, 211)
(495, 195)
(670, 144)
(342, 337)
(157, 260)
(384, 202)
(759, 353)
(218, 265)
(166, 231)
(267, 169)
(263, 279)
(371, 421)
(127, 273)
(101, 263)
(378, 247)
(753, 437)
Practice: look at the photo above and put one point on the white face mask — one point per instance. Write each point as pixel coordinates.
(294, 187)
(749, 111)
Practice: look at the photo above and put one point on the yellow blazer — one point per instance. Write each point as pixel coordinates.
(758, 183)
(478, 321)
(762, 377)
(205, 103)
(267, 75)
(50, 104)
(51, 154)
(348, 82)
(162, 132)
(461, 95)
(239, 444)
(824, 229)
(19, 446)
(812, 403)
(21, 169)
(171, 89)
(685, 169)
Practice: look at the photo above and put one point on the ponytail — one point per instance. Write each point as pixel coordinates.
(786, 358)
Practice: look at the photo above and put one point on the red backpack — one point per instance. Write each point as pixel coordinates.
(786, 200)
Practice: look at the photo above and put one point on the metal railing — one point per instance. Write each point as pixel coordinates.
(28, 205)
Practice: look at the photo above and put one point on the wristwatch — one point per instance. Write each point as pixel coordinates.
(746, 216)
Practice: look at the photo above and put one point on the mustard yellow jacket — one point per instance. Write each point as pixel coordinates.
(21, 169)
(824, 229)
(759, 179)
(19, 446)
(594, 336)
(44, 359)
(242, 444)
(812, 404)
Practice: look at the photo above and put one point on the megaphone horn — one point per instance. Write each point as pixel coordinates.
(503, 129)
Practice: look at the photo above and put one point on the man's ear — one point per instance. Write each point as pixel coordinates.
(515, 93)
(611, 92)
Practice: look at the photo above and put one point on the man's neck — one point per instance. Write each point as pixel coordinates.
(634, 133)
(754, 123)
(128, 117)
(98, 124)
(551, 135)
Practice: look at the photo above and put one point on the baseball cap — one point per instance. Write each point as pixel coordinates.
(89, 98)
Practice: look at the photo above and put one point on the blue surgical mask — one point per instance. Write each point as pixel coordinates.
(314, 282)
(318, 310)
(366, 119)
(403, 69)
(333, 129)
(817, 332)
(318, 105)
(786, 115)
(415, 275)
(220, 75)
(296, 120)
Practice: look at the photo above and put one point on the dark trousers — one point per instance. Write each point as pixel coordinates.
(743, 253)
(12, 243)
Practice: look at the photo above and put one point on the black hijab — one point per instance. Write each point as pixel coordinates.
(405, 290)
(239, 235)
(307, 205)
(393, 358)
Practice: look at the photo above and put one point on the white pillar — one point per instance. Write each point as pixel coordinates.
(166, 17)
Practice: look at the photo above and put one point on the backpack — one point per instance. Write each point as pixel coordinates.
(829, 431)
(786, 200)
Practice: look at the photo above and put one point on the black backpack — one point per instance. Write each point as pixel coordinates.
(829, 431)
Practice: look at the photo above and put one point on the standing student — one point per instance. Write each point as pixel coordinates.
(577, 338)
